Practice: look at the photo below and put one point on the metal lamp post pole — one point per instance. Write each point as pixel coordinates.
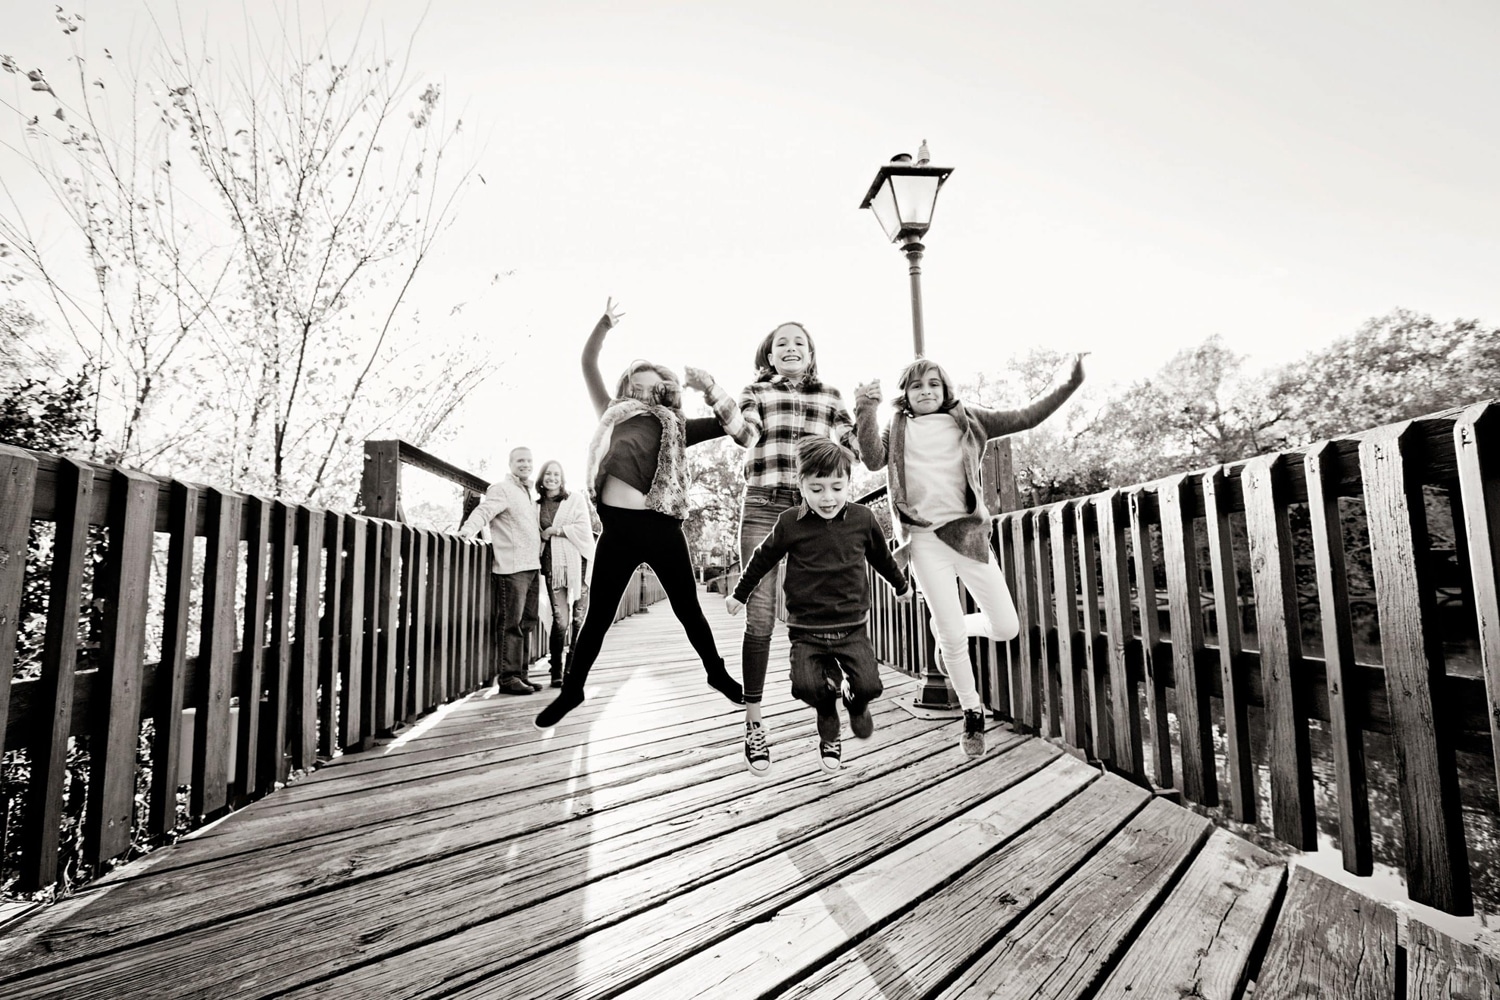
(913, 249)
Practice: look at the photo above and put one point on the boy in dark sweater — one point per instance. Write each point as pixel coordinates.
(826, 541)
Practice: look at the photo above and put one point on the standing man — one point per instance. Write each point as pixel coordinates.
(510, 513)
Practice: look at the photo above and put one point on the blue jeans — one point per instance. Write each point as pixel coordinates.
(822, 661)
(758, 513)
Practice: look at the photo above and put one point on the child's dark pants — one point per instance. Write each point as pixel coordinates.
(822, 661)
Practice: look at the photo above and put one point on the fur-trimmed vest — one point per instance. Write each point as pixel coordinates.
(669, 488)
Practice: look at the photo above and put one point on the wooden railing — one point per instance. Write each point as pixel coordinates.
(157, 661)
(1120, 593)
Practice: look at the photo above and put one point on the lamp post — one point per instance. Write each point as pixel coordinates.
(903, 196)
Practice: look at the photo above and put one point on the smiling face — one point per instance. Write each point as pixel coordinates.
(924, 394)
(791, 350)
(520, 463)
(825, 494)
(551, 480)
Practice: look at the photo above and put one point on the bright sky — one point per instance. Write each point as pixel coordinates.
(1129, 179)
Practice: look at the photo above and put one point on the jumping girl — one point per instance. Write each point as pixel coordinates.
(567, 553)
(638, 480)
(935, 446)
(785, 403)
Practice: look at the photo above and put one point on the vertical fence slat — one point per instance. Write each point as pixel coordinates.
(307, 658)
(1086, 525)
(1437, 866)
(49, 747)
(257, 516)
(17, 491)
(1145, 590)
(463, 599)
(1030, 673)
(278, 680)
(1278, 625)
(1194, 723)
(390, 658)
(1322, 465)
(1065, 587)
(1126, 707)
(351, 613)
(171, 675)
(1011, 668)
(1476, 438)
(116, 723)
(369, 663)
(421, 643)
(211, 731)
(402, 670)
(1240, 761)
(333, 636)
(1046, 624)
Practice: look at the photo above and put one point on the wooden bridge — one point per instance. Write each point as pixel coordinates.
(430, 843)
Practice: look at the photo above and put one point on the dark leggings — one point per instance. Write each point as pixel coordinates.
(632, 537)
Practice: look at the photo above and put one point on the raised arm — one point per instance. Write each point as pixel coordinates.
(726, 418)
(873, 442)
(591, 374)
(998, 423)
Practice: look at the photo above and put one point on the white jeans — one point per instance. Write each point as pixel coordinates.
(937, 569)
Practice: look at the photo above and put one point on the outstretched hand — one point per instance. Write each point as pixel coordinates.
(612, 312)
(1075, 377)
(869, 390)
(698, 379)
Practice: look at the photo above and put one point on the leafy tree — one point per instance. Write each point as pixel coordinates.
(243, 238)
(716, 472)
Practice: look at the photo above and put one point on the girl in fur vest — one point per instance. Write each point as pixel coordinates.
(638, 480)
(567, 554)
(934, 445)
(784, 404)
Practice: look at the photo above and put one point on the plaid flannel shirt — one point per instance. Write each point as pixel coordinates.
(775, 416)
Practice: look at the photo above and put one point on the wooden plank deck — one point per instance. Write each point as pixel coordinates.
(628, 853)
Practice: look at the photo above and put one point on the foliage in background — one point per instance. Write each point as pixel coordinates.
(241, 240)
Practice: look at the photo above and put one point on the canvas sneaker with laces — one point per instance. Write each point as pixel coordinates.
(972, 739)
(757, 752)
(829, 754)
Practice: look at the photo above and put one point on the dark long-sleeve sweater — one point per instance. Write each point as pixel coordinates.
(827, 586)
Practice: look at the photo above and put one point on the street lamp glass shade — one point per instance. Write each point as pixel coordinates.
(903, 197)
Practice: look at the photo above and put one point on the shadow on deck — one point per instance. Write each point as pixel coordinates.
(628, 853)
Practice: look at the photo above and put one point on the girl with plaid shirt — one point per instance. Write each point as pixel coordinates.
(784, 404)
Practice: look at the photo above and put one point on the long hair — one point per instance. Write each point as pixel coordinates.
(562, 480)
(669, 394)
(916, 370)
(765, 370)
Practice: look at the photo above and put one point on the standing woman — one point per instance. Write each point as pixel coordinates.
(934, 445)
(567, 551)
(785, 403)
(639, 480)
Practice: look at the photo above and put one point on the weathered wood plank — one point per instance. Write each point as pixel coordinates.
(307, 660)
(368, 664)
(1095, 651)
(1062, 945)
(116, 723)
(333, 634)
(1069, 654)
(249, 684)
(774, 954)
(280, 692)
(49, 749)
(442, 548)
(351, 624)
(1199, 942)
(1346, 732)
(1233, 679)
(1194, 722)
(389, 685)
(1437, 862)
(421, 638)
(1151, 654)
(1329, 941)
(1129, 755)
(1003, 536)
(18, 471)
(1440, 968)
(1475, 436)
(171, 677)
(1029, 656)
(211, 731)
(1279, 626)
(1046, 623)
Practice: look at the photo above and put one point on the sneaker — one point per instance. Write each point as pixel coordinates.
(513, 685)
(828, 755)
(972, 740)
(859, 721)
(757, 752)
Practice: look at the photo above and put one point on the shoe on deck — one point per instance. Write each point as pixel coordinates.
(513, 685)
(860, 721)
(757, 752)
(564, 703)
(829, 754)
(972, 740)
